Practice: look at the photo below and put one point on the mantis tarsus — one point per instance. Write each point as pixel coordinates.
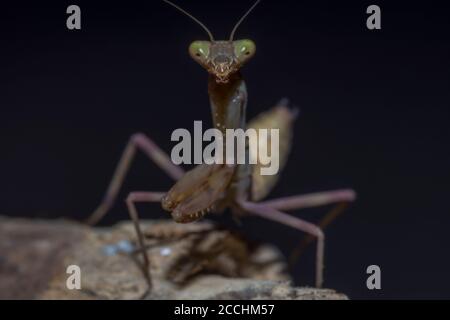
(216, 187)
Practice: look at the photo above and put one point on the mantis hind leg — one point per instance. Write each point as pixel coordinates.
(148, 147)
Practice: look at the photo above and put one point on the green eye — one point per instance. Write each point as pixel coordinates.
(199, 49)
(244, 49)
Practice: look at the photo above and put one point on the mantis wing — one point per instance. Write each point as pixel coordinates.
(282, 118)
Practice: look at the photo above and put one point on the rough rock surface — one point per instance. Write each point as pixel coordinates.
(193, 261)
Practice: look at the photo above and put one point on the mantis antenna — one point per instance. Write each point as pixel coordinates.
(192, 17)
(242, 19)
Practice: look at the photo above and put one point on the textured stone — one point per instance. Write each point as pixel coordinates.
(191, 261)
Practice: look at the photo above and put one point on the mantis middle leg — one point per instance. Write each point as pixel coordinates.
(311, 200)
(270, 213)
(133, 198)
(341, 198)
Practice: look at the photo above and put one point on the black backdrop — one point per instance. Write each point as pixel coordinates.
(375, 111)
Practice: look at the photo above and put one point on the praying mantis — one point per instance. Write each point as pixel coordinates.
(216, 187)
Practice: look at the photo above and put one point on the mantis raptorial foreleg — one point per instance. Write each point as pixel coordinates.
(146, 145)
(133, 198)
(270, 213)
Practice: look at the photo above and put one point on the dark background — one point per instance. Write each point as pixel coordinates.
(375, 111)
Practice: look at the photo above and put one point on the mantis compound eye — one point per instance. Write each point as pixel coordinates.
(199, 51)
(244, 49)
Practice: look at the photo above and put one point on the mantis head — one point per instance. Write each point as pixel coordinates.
(221, 58)
(196, 192)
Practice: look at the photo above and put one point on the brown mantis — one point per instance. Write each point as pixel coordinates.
(218, 186)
